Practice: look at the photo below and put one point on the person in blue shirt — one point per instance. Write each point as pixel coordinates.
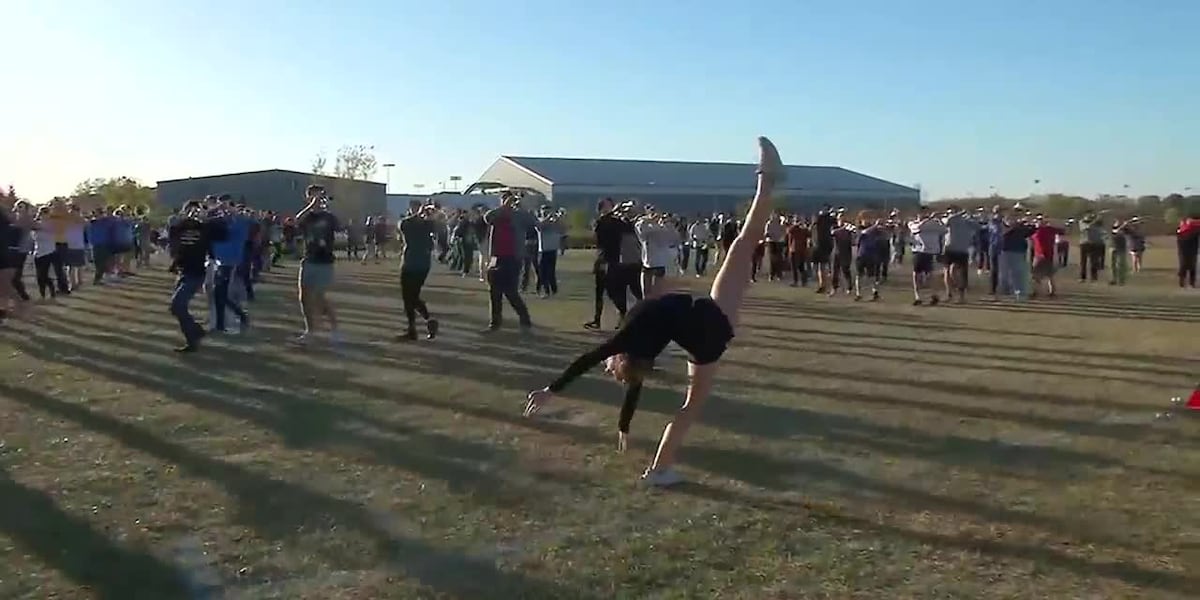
(100, 233)
(228, 254)
(995, 238)
(122, 239)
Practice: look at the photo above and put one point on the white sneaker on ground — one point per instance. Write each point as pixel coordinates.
(665, 477)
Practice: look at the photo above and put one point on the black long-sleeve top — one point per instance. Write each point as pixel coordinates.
(696, 324)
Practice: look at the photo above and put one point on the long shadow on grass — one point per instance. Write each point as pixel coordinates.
(778, 474)
(1093, 311)
(280, 509)
(1041, 554)
(1032, 350)
(861, 348)
(301, 422)
(69, 544)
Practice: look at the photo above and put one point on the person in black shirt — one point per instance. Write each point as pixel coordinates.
(607, 272)
(701, 326)
(190, 241)
(318, 227)
(822, 244)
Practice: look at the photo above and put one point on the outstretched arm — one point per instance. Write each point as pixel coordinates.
(585, 362)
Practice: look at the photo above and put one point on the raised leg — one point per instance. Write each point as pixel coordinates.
(733, 278)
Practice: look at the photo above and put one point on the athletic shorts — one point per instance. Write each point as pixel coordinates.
(821, 254)
(715, 332)
(866, 266)
(74, 257)
(951, 258)
(655, 271)
(316, 276)
(923, 262)
(1043, 267)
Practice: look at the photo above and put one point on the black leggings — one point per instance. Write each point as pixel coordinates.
(17, 260)
(42, 266)
(617, 280)
(1187, 262)
(411, 283)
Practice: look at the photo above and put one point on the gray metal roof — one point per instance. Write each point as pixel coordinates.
(696, 175)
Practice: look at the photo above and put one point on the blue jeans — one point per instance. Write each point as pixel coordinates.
(186, 287)
(221, 297)
(1014, 273)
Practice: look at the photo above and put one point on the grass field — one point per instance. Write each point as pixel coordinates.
(851, 451)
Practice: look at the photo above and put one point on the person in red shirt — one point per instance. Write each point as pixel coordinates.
(1187, 238)
(796, 238)
(1044, 237)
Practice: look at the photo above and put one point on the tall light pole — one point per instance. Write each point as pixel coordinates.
(388, 167)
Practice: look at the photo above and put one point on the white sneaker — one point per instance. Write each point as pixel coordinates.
(666, 477)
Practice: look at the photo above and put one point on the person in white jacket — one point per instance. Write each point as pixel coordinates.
(701, 238)
(658, 240)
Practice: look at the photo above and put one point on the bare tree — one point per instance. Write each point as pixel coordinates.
(318, 163)
(356, 162)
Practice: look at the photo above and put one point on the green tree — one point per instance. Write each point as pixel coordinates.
(117, 191)
(1149, 205)
(1172, 216)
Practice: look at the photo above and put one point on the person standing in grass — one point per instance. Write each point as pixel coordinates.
(508, 226)
(1187, 242)
(655, 236)
(701, 239)
(1119, 259)
(190, 242)
(317, 226)
(1091, 247)
(418, 235)
(927, 234)
(843, 254)
(550, 231)
(797, 238)
(961, 232)
(1136, 241)
(869, 261)
(1045, 239)
(1014, 249)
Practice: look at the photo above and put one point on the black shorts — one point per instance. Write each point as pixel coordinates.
(74, 257)
(922, 262)
(821, 254)
(655, 271)
(8, 259)
(866, 266)
(952, 258)
(714, 332)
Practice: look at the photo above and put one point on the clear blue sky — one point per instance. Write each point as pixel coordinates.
(1086, 95)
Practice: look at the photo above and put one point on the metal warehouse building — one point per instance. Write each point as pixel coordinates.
(278, 190)
(684, 187)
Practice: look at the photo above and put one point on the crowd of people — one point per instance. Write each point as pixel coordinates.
(638, 249)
